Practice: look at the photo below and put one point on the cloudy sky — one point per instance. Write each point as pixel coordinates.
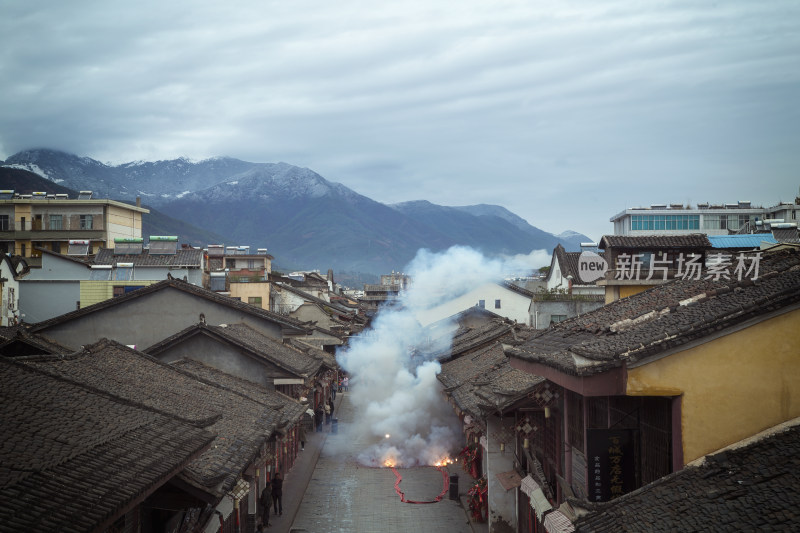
(565, 112)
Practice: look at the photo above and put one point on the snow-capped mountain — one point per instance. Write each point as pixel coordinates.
(305, 220)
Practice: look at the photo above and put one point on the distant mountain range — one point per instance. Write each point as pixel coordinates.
(304, 220)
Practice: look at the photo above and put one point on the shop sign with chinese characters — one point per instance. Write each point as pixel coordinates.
(611, 463)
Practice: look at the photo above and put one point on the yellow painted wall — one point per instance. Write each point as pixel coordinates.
(22, 210)
(245, 290)
(123, 223)
(630, 290)
(93, 292)
(733, 386)
(615, 292)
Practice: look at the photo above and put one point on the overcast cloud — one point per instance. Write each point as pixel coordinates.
(564, 112)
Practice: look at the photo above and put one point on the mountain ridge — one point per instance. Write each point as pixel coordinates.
(300, 216)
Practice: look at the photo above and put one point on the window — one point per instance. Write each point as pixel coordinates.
(86, 221)
(497, 304)
(120, 290)
(4, 226)
(558, 318)
(482, 304)
(664, 222)
(254, 300)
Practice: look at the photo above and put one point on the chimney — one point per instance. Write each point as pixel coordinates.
(138, 201)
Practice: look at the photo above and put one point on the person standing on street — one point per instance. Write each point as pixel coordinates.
(318, 418)
(346, 383)
(265, 502)
(328, 413)
(277, 494)
(301, 436)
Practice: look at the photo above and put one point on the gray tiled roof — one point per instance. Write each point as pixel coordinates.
(663, 317)
(183, 257)
(753, 488)
(483, 382)
(270, 350)
(339, 308)
(288, 409)
(284, 321)
(240, 423)
(298, 362)
(21, 342)
(691, 240)
(73, 458)
(328, 359)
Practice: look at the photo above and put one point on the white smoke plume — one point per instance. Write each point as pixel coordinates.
(400, 411)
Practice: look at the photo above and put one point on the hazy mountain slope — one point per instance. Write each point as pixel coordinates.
(488, 232)
(302, 218)
(26, 182)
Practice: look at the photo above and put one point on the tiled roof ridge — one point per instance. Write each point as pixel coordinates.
(178, 284)
(561, 256)
(719, 289)
(22, 334)
(311, 297)
(114, 344)
(75, 259)
(183, 257)
(686, 240)
(516, 288)
(684, 335)
(20, 361)
(222, 331)
(192, 362)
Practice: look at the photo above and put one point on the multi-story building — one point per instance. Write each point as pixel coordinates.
(677, 219)
(234, 271)
(786, 212)
(387, 292)
(55, 222)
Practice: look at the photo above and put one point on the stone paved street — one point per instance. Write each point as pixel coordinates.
(343, 496)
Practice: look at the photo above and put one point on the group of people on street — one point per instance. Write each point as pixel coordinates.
(271, 496)
(323, 413)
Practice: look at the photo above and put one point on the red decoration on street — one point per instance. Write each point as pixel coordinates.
(445, 484)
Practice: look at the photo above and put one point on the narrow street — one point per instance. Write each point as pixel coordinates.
(343, 496)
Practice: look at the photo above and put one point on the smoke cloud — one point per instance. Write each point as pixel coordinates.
(400, 411)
